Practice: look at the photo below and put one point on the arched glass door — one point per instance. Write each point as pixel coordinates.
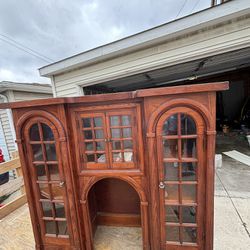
(180, 162)
(45, 168)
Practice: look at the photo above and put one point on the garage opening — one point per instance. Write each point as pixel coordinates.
(114, 208)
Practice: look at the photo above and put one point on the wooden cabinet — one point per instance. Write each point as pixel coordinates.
(143, 158)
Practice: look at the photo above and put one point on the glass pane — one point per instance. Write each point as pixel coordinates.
(59, 209)
(171, 170)
(189, 148)
(100, 146)
(172, 233)
(127, 132)
(50, 152)
(171, 192)
(90, 157)
(88, 135)
(189, 193)
(47, 209)
(53, 172)
(189, 170)
(97, 122)
(62, 228)
(189, 234)
(188, 126)
(41, 174)
(116, 145)
(188, 214)
(50, 227)
(99, 134)
(44, 190)
(89, 146)
(86, 122)
(57, 192)
(114, 120)
(115, 133)
(128, 156)
(101, 157)
(117, 157)
(126, 120)
(170, 148)
(128, 144)
(170, 126)
(37, 152)
(47, 133)
(172, 214)
(34, 133)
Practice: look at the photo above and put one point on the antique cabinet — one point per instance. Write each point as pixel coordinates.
(142, 158)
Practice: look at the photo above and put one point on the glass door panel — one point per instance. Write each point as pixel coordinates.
(108, 139)
(179, 166)
(93, 143)
(49, 187)
(121, 133)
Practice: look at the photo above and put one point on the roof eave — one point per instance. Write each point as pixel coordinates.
(212, 16)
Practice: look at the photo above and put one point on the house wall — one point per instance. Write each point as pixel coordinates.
(23, 96)
(7, 139)
(3, 145)
(206, 42)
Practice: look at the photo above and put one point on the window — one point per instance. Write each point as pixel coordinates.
(49, 186)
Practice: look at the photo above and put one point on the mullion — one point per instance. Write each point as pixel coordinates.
(179, 148)
(39, 142)
(180, 228)
(121, 136)
(121, 126)
(95, 128)
(93, 135)
(44, 158)
(46, 168)
(194, 136)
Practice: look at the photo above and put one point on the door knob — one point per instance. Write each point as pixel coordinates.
(161, 185)
(61, 184)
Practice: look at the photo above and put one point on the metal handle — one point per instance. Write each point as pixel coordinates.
(161, 185)
(61, 184)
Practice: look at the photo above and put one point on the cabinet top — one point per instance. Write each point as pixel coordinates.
(194, 88)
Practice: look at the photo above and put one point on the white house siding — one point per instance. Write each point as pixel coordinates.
(24, 96)
(3, 145)
(207, 42)
(8, 136)
(8, 142)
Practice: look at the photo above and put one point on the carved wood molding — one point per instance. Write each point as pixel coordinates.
(130, 180)
(40, 114)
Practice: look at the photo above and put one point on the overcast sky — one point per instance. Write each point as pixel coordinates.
(57, 29)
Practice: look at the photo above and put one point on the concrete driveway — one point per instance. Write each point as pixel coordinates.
(232, 198)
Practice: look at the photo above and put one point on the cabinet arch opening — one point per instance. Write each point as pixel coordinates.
(114, 209)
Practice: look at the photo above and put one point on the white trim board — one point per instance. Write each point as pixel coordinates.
(238, 156)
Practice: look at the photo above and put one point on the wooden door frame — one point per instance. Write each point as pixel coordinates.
(200, 188)
(61, 145)
(209, 122)
(143, 207)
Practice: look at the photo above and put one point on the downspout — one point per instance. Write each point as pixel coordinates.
(53, 86)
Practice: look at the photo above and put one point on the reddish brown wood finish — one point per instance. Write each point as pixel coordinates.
(89, 192)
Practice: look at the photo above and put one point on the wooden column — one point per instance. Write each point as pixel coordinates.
(154, 205)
